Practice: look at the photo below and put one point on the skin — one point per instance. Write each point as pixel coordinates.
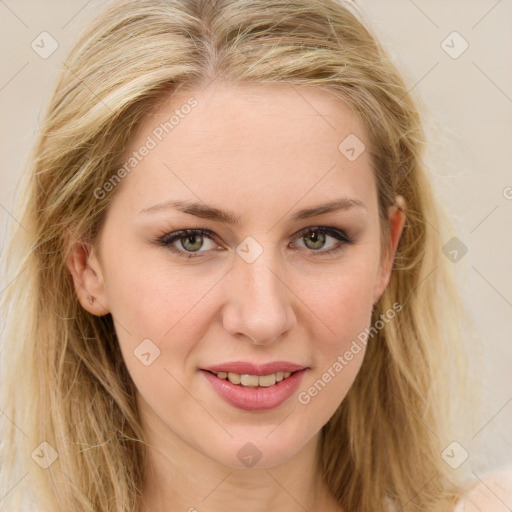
(264, 153)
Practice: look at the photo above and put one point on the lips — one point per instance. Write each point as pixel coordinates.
(254, 387)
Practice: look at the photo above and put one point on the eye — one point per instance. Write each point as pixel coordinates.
(315, 239)
(188, 243)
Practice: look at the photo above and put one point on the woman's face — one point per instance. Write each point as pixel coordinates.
(273, 283)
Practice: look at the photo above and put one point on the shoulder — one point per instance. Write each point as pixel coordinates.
(491, 493)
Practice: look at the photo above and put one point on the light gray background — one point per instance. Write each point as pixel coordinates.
(470, 104)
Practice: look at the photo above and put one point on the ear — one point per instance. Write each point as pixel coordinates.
(84, 266)
(396, 225)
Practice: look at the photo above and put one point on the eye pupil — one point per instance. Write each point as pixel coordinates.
(318, 239)
(193, 240)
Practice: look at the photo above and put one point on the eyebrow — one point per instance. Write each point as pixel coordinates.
(207, 212)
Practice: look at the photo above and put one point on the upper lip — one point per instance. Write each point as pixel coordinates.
(243, 367)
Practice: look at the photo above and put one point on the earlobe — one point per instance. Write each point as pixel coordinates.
(85, 270)
(396, 224)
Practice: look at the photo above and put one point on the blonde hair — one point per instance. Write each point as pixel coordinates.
(383, 445)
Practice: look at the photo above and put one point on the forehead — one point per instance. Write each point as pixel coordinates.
(251, 145)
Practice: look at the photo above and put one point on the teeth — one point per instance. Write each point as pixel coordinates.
(252, 381)
(234, 378)
(267, 380)
(249, 380)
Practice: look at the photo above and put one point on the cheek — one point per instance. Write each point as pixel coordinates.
(342, 308)
(343, 303)
(152, 297)
(161, 318)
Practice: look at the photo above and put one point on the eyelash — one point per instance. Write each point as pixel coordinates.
(167, 240)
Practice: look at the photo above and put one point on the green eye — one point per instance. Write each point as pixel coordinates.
(315, 239)
(192, 241)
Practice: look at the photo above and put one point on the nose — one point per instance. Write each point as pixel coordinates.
(258, 303)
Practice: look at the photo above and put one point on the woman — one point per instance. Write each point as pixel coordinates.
(229, 292)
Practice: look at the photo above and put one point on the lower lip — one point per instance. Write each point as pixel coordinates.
(255, 398)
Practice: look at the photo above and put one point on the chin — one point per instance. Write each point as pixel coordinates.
(261, 448)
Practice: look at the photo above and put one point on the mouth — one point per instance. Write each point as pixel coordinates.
(255, 387)
(253, 381)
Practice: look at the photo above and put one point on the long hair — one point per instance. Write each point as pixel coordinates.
(70, 422)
